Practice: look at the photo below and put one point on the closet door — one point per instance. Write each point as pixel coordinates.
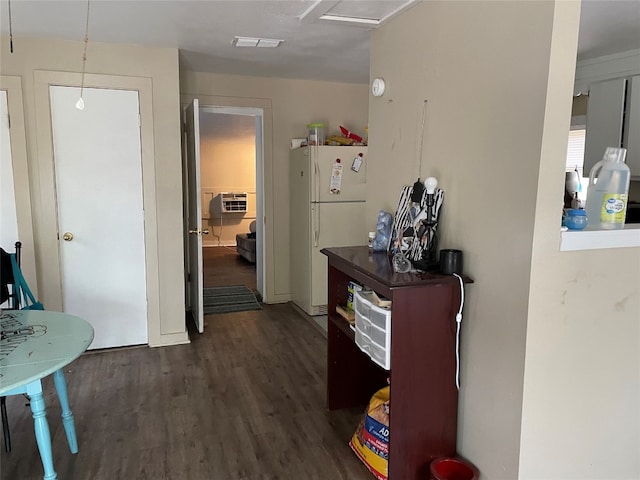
(98, 174)
(8, 216)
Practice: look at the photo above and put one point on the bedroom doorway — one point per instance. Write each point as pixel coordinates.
(229, 189)
(229, 159)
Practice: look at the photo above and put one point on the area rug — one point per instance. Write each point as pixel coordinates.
(236, 298)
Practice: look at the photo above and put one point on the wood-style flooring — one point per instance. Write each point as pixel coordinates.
(245, 400)
(223, 266)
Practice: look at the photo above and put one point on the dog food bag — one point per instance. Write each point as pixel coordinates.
(371, 440)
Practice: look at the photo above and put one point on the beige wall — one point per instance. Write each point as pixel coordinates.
(581, 406)
(227, 165)
(498, 95)
(292, 104)
(167, 324)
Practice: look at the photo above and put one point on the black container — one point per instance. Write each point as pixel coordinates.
(451, 261)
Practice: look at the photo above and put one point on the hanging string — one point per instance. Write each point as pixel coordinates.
(10, 29)
(80, 104)
(418, 187)
(424, 117)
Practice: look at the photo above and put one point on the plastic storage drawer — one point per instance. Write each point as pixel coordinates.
(363, 324)
(380, 355)
(373, 329)
(378, 316)
(363, 341)
(378, 336)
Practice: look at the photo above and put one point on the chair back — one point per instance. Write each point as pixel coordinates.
(8, 288)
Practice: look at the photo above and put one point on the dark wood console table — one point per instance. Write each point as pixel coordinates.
(424, 397)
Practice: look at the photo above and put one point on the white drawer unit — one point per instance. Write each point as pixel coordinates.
(373, 329)
(363, 341)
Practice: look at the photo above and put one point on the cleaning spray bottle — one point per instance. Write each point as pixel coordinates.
(608, 190)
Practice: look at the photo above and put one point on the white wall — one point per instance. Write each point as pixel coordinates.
(581, 402)
(498, 80)
(482, 141)
(289, 105)
(167, 326)
(228, 164)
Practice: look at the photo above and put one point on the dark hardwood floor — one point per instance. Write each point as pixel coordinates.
(244, 400)
(223, 266)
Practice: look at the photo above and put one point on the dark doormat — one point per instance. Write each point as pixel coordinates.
(236, 298)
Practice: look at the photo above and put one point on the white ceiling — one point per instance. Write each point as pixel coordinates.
(313, 49)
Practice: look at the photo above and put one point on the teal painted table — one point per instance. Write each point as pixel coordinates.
(33, 345)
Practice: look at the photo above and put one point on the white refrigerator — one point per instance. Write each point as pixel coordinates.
(320, 218)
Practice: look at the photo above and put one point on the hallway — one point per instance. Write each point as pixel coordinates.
(245, 400)
(223, 266)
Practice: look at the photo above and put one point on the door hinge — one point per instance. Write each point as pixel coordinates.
(8, 120)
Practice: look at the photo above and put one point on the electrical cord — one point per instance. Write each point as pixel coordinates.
(458, 323)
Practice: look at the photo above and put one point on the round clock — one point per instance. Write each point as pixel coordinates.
(377, 87)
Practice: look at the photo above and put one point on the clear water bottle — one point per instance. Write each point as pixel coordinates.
(608, 190)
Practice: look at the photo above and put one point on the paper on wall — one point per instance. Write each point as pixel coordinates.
(336, 177)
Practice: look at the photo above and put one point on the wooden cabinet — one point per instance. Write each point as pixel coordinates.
(424, 397)
(613, 120)
(631, 138)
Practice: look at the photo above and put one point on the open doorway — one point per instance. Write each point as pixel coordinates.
(225, 199)
(228, 153)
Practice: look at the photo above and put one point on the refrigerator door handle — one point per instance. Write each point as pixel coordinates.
(316, 225)
(316, 180)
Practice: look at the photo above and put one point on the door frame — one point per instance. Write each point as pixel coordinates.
(44, 177)
(257, 113)
(17, 133)
(266, 184)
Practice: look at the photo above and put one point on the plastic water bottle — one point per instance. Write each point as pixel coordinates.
(608, 190)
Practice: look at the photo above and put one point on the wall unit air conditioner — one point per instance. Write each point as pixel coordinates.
(233, 202)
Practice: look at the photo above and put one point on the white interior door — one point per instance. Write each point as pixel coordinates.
(98, 174)
(194, 220)
(8, 215)
(260, 247)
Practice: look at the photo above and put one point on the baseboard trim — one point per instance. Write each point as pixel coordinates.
(167, 340)
(319, 322)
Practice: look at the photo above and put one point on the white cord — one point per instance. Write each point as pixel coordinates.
(458, 322)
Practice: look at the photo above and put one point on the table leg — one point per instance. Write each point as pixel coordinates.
(67, 416)
(43, 437)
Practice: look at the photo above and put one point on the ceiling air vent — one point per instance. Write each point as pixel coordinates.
(256, 42)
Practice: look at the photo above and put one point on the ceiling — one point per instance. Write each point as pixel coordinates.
(312, 48)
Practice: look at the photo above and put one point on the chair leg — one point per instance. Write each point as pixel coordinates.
(5, 424)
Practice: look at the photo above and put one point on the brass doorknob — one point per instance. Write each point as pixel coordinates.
(198, 231)
(67, 237)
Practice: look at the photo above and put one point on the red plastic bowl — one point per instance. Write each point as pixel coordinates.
(453, 469)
